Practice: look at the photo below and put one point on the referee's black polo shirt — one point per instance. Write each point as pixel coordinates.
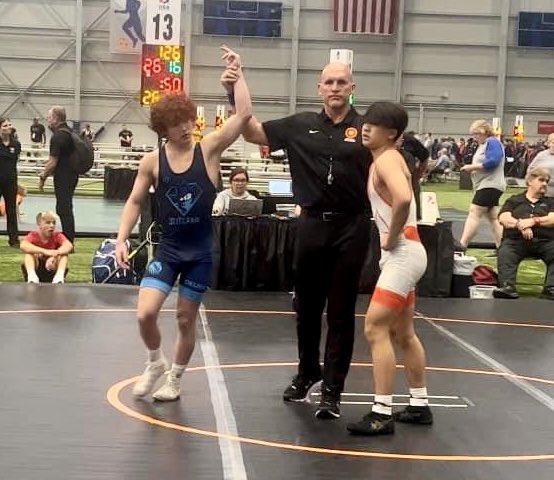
(313, 143)
(521, 207)
(61, 147)
(9, 155)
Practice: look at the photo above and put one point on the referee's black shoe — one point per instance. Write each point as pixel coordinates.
(299, 389)
(372, 424)
(329, 405)
(415, 415)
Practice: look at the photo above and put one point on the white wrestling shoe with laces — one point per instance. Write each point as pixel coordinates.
(152, 372)
(169, 391)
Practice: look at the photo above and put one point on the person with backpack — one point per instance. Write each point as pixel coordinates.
(59, 164)
(185, 175)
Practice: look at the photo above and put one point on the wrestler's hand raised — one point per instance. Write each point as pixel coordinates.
(232, 58)
(229, 77)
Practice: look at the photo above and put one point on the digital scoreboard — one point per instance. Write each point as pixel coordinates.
(161, 72)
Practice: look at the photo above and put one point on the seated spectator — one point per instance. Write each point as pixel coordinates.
(545, 159)
(46, 251)
(528, 221)
(442, 166)
(239, 181)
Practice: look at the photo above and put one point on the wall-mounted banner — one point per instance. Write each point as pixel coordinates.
(127, 26)
(163, 22)
(342, 56)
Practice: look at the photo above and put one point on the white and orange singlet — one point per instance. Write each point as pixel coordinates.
(405, 264)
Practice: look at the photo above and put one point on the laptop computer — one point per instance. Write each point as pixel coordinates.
(250, 208)
(280, 188)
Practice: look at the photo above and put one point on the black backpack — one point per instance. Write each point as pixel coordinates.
(81, 158)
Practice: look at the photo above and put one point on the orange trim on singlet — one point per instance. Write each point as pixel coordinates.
(389, 299)
(410, 299)
(411, 233)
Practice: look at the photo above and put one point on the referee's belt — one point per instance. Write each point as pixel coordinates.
(329, 216)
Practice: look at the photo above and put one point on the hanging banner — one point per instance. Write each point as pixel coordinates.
(163, 22)
(519, 132)
(220, 116)
(342, 56)
(199, 124)
(545, 127)
(497, 127)
(127, 26)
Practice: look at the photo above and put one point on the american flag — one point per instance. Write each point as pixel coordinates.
(376, 17)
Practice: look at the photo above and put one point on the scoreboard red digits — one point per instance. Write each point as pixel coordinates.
(162, 69)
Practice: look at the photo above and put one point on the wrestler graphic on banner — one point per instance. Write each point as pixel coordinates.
(133, 25)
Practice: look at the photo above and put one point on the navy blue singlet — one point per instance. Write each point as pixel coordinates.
(185, 202)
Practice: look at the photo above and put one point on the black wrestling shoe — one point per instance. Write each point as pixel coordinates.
(299, 389)
(507, 291)
(416, 415)
(329, 405)
(372, 424)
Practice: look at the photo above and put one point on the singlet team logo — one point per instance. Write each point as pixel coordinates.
(155, 268)
(183, 198)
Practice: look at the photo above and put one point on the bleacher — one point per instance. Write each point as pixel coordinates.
(260, 170)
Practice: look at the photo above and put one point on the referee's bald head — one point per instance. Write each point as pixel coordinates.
(336, 68)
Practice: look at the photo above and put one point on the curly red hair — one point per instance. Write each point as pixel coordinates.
(170, 111)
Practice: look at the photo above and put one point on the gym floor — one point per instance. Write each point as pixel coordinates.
(71, 352)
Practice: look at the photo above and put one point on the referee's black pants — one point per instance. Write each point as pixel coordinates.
(330, 256)
(8, 191)
(511, 252)
(64, 188)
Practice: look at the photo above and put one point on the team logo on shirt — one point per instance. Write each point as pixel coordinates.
(350, 134)
(184, 197)
(12, 149)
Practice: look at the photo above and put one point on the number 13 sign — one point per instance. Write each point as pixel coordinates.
(163, 22)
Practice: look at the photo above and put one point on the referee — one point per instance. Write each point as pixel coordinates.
(329, 169)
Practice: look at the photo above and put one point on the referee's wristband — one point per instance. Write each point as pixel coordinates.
(231, 98)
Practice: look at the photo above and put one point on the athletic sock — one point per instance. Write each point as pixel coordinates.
(177, 370)
(154, 355)
(383, 405)
(418, 397)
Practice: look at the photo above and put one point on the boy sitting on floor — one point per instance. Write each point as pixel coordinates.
(46, 251)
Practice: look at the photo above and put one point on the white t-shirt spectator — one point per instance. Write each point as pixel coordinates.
(221, 204)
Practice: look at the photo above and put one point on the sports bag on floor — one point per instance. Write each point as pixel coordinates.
(104, 264)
